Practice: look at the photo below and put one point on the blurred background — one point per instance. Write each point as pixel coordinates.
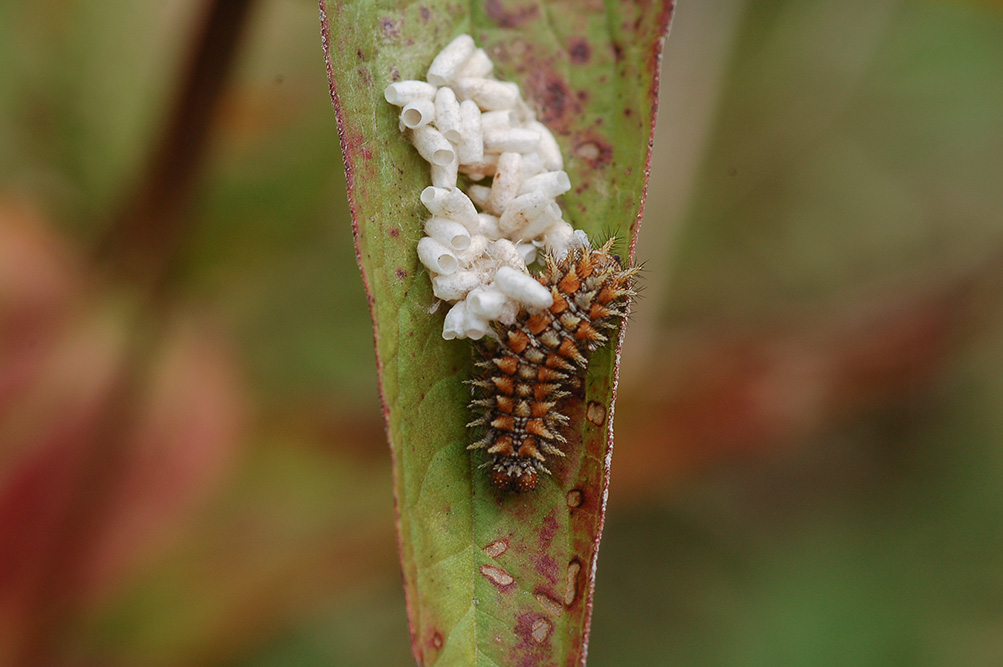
(809, 458)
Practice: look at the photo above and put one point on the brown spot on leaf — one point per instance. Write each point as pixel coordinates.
(580, 51)
(596, 413)
(575, 498)
(550, 96)
(541, 630)
(401, 274)
(425, 14)
(394, 232)
(497, 576)
(437, 640)
(549, 604)
(594, 151)
(496, 548)
(390, 27)
(588, 150)
(510, 18)
(554, 101)
(571, 587)
(365, 75)
(533, 631)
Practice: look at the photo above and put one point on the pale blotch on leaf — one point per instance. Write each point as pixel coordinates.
(541, 630)
(588, 151)
(549, 604)
(496, 548)
(497, 575)
(596, 413)
(571, 591)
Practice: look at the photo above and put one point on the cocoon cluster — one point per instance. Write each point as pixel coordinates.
(479, 241)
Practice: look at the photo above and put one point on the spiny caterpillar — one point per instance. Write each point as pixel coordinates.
(529, 368)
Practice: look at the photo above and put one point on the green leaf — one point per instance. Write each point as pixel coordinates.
(490, 579)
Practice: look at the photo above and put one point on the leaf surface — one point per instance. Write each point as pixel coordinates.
(490, 579)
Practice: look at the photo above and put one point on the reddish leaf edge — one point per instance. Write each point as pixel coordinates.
(325, 36)
(665, 22)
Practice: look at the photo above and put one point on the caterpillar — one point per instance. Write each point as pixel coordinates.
(529, 369)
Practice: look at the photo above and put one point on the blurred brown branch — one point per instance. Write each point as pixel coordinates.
(145, 235)
(59, 502)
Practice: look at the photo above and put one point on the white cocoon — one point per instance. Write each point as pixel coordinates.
(548, 148)
(454, 326)
(489, 94)
(402, 92)
(489, 226)
(449, 60)
(557, 237)
(436, 257)
(474, 253)
(523, 288)
(509, 313)
(508, 176)
(550, 184)
(496, 120)
(527, 250)
(575, 238)
(444, 176)
(522, 114)
(480, 195)
(505, 252)
(532, 164)
(486, 302)
(478, 66)
(447, 114)
(522, 210)
(475, 327)
(455, 286)
(550, 215)
(452, 204)
(417, 113)
(471, 145)
(514, 139)
(479, 170)
(432, 146)
(579, 239)
(448, 232)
